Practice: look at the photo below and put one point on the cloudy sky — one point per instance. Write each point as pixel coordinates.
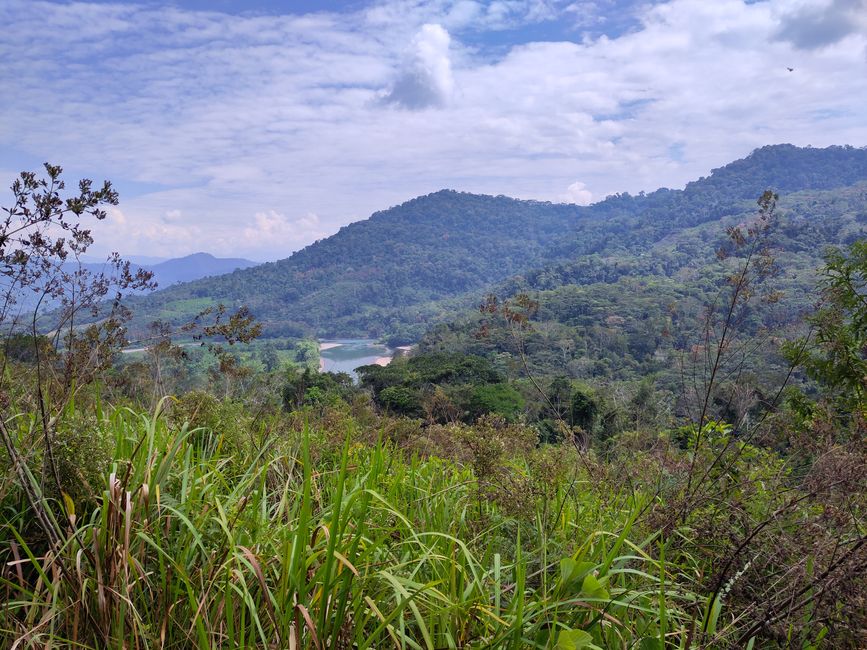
(254, 128)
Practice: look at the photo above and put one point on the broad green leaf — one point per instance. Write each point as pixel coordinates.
(573, 640)
(568, 570)
(593, 588)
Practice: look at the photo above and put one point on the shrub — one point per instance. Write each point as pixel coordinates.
(495, 399)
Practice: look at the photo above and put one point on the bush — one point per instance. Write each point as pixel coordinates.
(226, 420)
(495, 399)
(401, 400)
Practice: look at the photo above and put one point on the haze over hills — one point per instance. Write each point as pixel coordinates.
(166, 272)
(186, 269)
(406, 267)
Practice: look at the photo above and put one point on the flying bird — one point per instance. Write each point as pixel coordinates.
(790, 69)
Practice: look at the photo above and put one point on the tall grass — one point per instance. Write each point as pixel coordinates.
(293, 546)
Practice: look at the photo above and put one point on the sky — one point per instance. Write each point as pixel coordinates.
(256, 128)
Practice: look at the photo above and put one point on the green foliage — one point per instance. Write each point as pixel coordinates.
(310, 388)
(401, 400)
(365, 548)
(441, 384)
(495, 399)
(626, 314)
(25, 348)
(836, 354)
(83, 452)
(583, 410)
(339, 526)
(438, 520)
(225, 422)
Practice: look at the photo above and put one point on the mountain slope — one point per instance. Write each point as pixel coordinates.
(407, 266)
(630, 315)
(427, 249)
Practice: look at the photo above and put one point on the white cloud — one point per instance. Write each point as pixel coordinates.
(234, 124)
(578, 194)
(116, 215)
(273, 228)
(426, 78)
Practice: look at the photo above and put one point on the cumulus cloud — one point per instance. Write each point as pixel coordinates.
(820, 25)
(426, 78)
(578, 194)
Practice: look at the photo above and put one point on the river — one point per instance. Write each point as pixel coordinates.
(345, 355)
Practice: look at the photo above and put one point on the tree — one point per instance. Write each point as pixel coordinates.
(308, 387)
(159, 352)
(401, 400)
(836, 354)
(269, 357)
(42, 238)
(496, 399)
(584, 410)
(239, 327)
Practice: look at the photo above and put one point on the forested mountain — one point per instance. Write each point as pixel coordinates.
(361, 280)
(628, 314)
(404, 268)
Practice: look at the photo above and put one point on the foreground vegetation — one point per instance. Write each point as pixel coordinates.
(338, 528)
(201, 540)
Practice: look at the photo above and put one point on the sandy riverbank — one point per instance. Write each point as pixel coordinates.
(328, 346)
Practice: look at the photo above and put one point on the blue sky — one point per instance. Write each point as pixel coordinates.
(256, 128)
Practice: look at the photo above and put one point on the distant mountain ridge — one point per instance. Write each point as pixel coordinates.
(185, 269)
(195, 266)
(410, 265)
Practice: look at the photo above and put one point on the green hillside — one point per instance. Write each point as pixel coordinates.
(412, 265)
(359, 281)
(624, 314)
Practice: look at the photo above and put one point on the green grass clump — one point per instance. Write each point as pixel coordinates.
(295, 545)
